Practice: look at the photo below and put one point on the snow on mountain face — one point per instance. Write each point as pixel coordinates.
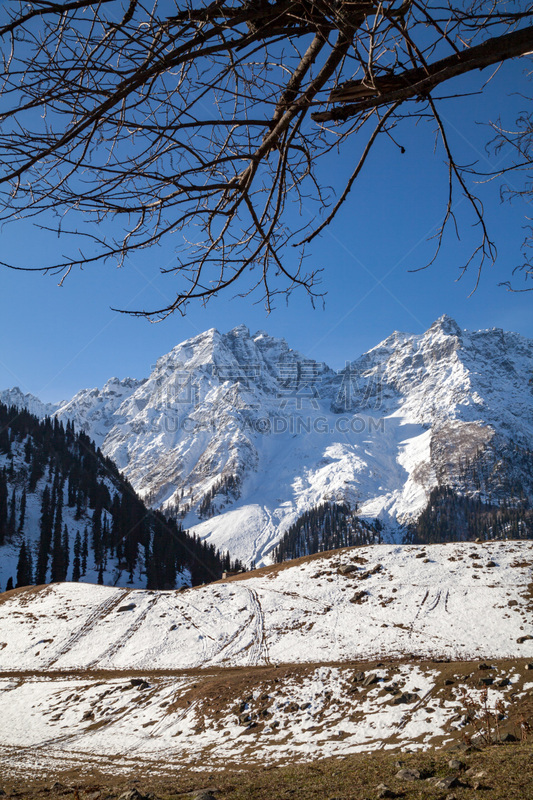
(95, 410)
(16, 397)
(239, 434)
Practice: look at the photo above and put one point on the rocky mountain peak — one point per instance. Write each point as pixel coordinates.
(446, 325)
(238, 434)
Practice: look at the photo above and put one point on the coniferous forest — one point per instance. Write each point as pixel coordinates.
(453, 517)
(326, 527)
(68, 514)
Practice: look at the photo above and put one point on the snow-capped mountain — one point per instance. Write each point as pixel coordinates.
(238, 434)
(16, 397)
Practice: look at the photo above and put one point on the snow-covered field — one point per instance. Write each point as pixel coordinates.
(455, 600)
(125, 678)
(166, 723)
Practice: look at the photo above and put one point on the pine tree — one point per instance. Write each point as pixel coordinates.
(66, 553)
(58, 566)
(12, 520)
(76, 567)
(84, 552)
(24, 571)
(3, 506)
(45, 538)
(22, 513)
(9, 584)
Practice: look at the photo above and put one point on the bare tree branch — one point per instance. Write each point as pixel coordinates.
(125, 124)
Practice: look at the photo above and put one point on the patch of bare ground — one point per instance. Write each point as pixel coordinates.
(502, 772)
(274, 569)
(25, 593)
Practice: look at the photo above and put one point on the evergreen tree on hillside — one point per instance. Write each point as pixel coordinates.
(12, 519)
(22, 512)
(84, 552)
(45, 539)
(65, 546)
(76, 566)
(3, 506)
(24, 566)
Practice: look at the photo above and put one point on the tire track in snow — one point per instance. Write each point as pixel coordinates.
(418, 613)
(126, 636)
(259, 649)
(102, 611)
(435, 602)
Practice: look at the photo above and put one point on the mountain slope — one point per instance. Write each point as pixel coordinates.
(67, 513)
(238, 435)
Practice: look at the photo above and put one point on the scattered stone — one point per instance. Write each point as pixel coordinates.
(486, 681)
(449, 682)
(93, 795)
(132, 794)
(485, 666)
(370, 679)
(383, 791)
(491, 564)
(203, 795)
(522, 639)
(244, 719)
(504, 682)
(250, 727)
(359, 676)
(474, 772)
(405, 697)
(369, 572)
(455, 764)
(128, 607)
(291, 708)
(408, 775)
(139, 683)
(347, 569)
(420, 555)
(57, 787)
(448, 782)
(88, 715)
(508, 737)
(529, 666)
(451, 797)
(358, 597)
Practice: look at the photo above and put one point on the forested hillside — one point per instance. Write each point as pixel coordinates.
(66, 513)
(453, 517)
(326, 527)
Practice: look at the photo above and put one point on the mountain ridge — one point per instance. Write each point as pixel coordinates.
(264, 433)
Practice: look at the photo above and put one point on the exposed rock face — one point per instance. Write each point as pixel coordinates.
(239, 434)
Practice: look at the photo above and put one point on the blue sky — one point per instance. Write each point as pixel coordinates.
(56, 341)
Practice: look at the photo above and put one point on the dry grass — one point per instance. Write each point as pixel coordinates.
(508, 775)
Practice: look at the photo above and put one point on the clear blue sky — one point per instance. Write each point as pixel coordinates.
(56, 341)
